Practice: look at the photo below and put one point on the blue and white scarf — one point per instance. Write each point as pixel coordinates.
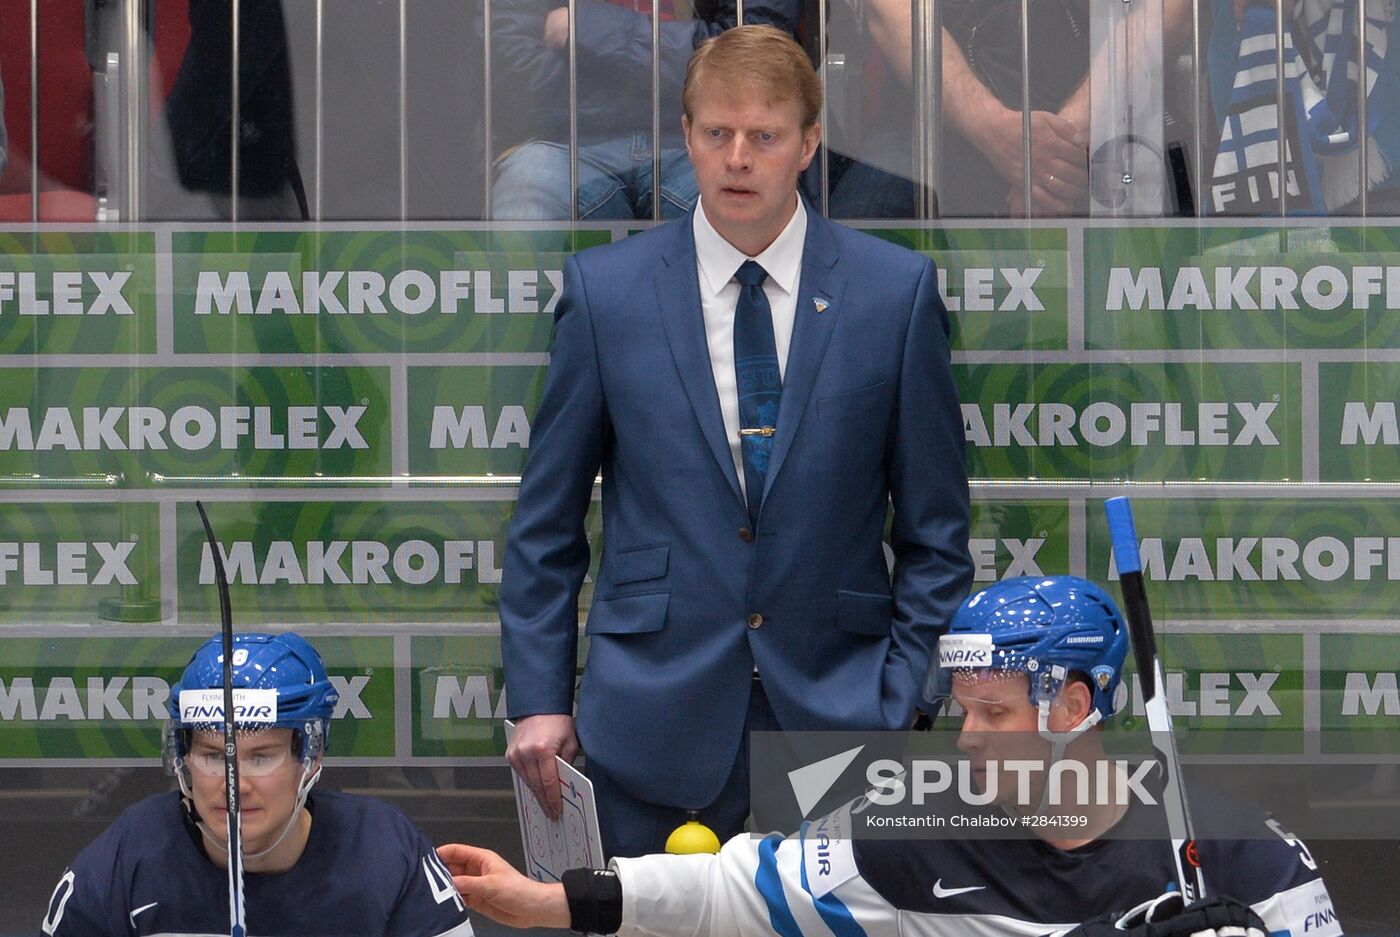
(1320, 122)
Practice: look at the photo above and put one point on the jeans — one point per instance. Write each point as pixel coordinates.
(614, 182)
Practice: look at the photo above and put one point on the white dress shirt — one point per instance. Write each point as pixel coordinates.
(717, 261)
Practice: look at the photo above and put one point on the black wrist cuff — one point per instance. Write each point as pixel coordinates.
(595, 900)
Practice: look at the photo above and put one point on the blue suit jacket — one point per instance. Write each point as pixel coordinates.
(869, 413)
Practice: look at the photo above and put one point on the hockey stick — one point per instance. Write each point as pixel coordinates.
(238, 925)
(1159, 717)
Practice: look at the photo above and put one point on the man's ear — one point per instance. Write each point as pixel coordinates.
(811, 137)
(685, 132)
(1075, 701)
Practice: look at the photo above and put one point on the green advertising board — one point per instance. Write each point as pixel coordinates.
(471, 420)
(355, 405)
(106, 697)
(1358, 433)
(1223, 288)
(369, 292)
(1006, 289)
(187, 426)
(1263, 559)
(1360, 697)
(458, 697)
(1228, 693)
(1103, 422)
(79, 562)
(1018, 538)
(77, 293)
(381, 562)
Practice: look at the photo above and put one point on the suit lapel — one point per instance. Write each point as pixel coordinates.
(678, 299)
(818, 304)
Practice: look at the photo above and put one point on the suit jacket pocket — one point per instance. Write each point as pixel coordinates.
(864, 613)
(628, 614)
(638, 565)
(854, 401)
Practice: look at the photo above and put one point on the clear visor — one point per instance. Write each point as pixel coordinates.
(255, 760)
(978, 669)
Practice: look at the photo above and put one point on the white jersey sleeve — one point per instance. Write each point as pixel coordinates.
(805, 885)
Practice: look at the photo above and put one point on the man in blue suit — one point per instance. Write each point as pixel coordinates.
(756, 385)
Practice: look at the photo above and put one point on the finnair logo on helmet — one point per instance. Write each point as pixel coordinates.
(965, 650)
(202, 706)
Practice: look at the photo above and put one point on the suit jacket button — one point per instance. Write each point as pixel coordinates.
(746, 535)
(755, 620)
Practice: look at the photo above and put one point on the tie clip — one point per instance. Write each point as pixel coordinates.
(758, 431)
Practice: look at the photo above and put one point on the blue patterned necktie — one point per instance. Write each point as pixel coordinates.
(759, 381)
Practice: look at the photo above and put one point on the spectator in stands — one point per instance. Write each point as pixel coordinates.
(530, 64)
(982, 158)
(1319, 85)
(199, 115)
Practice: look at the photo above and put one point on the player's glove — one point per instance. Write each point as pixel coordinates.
(1165, 917)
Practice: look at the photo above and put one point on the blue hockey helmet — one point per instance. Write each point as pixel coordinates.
(285, 664)
(1046, 627)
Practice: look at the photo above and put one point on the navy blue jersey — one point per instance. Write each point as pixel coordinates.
(366, 870)
(1032, 887)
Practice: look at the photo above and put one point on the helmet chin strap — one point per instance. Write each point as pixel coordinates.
(308, 781)
(1059, 741)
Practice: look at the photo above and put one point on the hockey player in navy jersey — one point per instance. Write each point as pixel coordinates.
(1030, 658)
(326, 864)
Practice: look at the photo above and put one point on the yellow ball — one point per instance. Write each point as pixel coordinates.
(692, 837)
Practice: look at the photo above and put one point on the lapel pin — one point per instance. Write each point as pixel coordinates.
(821, 305)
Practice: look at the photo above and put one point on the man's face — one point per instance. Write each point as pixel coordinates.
(999, 724)
(747, 150)
(268, 775)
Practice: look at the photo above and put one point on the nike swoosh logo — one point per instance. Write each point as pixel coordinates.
(940, 892)
(136, 911)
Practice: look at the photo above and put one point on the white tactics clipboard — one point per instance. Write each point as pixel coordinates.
(572, 841)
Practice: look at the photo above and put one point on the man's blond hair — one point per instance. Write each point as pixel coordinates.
(760, 58)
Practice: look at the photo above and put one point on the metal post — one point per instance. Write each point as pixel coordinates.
(134, 118)
(1361, 104)
(34, 110)
(935, 98)
(1026, 100)
(486, 97)
(655, 109)
(927, 85)
(1197, 112)
(403, 111)
(320, 105)
(739, 12)
(236, 113)
(1282, 115)
(573, 111)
